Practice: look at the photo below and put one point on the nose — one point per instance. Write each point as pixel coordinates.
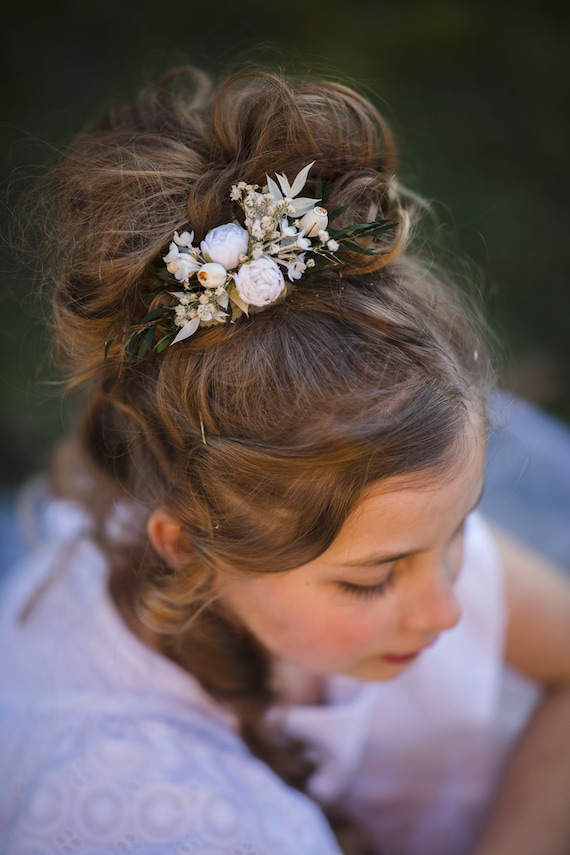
(432, 606)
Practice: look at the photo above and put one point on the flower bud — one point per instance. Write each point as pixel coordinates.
(212, 275)
(314, 221)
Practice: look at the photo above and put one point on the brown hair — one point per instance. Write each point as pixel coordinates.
(258, 438)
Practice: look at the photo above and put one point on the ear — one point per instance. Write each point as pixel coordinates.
(168, 539)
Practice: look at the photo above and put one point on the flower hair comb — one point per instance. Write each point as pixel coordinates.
(241, 269)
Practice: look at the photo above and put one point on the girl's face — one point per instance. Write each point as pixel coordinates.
(382, 592)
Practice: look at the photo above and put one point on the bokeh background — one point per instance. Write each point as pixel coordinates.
(476, 91)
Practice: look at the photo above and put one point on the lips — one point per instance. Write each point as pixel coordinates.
(403, 658)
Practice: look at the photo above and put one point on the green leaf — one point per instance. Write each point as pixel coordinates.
(336, 212)
(164, 342)
(356, 247)
(156, 313)
(319, 189)
(131, 344)
(146, 343)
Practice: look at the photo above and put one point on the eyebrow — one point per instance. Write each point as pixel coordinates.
(374, 560)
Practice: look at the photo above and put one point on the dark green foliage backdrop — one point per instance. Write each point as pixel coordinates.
(477, 92)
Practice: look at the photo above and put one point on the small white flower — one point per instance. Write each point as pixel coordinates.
(303, 242)
(257, 251)
(205, 312)
(260, 282)
(235, 193)
(314, 221)
(310, 262)
(185, 239)
(182, 266)
(286, 229)
(333, 245)
(225, 244)
(296, 269)
(212, 275)
(287, 192)
(323, 236)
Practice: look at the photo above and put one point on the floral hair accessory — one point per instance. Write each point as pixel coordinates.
(237, 270)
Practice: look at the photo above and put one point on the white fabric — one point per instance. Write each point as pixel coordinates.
(107, 747)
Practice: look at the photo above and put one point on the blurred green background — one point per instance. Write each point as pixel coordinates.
(476, 91)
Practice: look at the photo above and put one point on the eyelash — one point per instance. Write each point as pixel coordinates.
(368, 591)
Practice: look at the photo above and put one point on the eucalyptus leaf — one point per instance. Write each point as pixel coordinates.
(164, 342)
(336, 212)
(146, 343)
(356, 247)
(156, 313)
(131, 345)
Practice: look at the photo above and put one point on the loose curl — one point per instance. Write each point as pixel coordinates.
(258, 438)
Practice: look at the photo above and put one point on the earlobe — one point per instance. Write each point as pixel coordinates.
(168, 539)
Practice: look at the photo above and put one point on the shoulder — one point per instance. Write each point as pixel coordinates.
(154, 785)
(538, 598)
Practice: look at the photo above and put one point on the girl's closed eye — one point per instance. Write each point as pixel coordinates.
(368, 591)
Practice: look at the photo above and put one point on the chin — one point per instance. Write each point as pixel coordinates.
(377, 670)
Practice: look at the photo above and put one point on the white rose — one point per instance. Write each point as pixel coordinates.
(212, 275)
(225, 244)
(260, 282)
(314, 221)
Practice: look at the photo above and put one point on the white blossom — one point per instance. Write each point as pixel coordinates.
(225, 244)
(182, 265)
(302, 242)
(333, 245)
(185, 239)
(323, 236)
(260, 282)
(295, 269)
(287, 192)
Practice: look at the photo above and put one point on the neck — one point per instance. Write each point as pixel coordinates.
(297, 686)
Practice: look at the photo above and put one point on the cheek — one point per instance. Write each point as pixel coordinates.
(343, 626)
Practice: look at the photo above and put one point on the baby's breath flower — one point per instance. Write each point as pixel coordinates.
(333, 245)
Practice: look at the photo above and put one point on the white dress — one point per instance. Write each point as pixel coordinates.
(107, 747)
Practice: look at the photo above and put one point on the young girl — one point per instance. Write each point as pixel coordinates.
(266, 598)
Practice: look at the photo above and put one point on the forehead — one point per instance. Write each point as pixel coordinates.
(413, 512)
